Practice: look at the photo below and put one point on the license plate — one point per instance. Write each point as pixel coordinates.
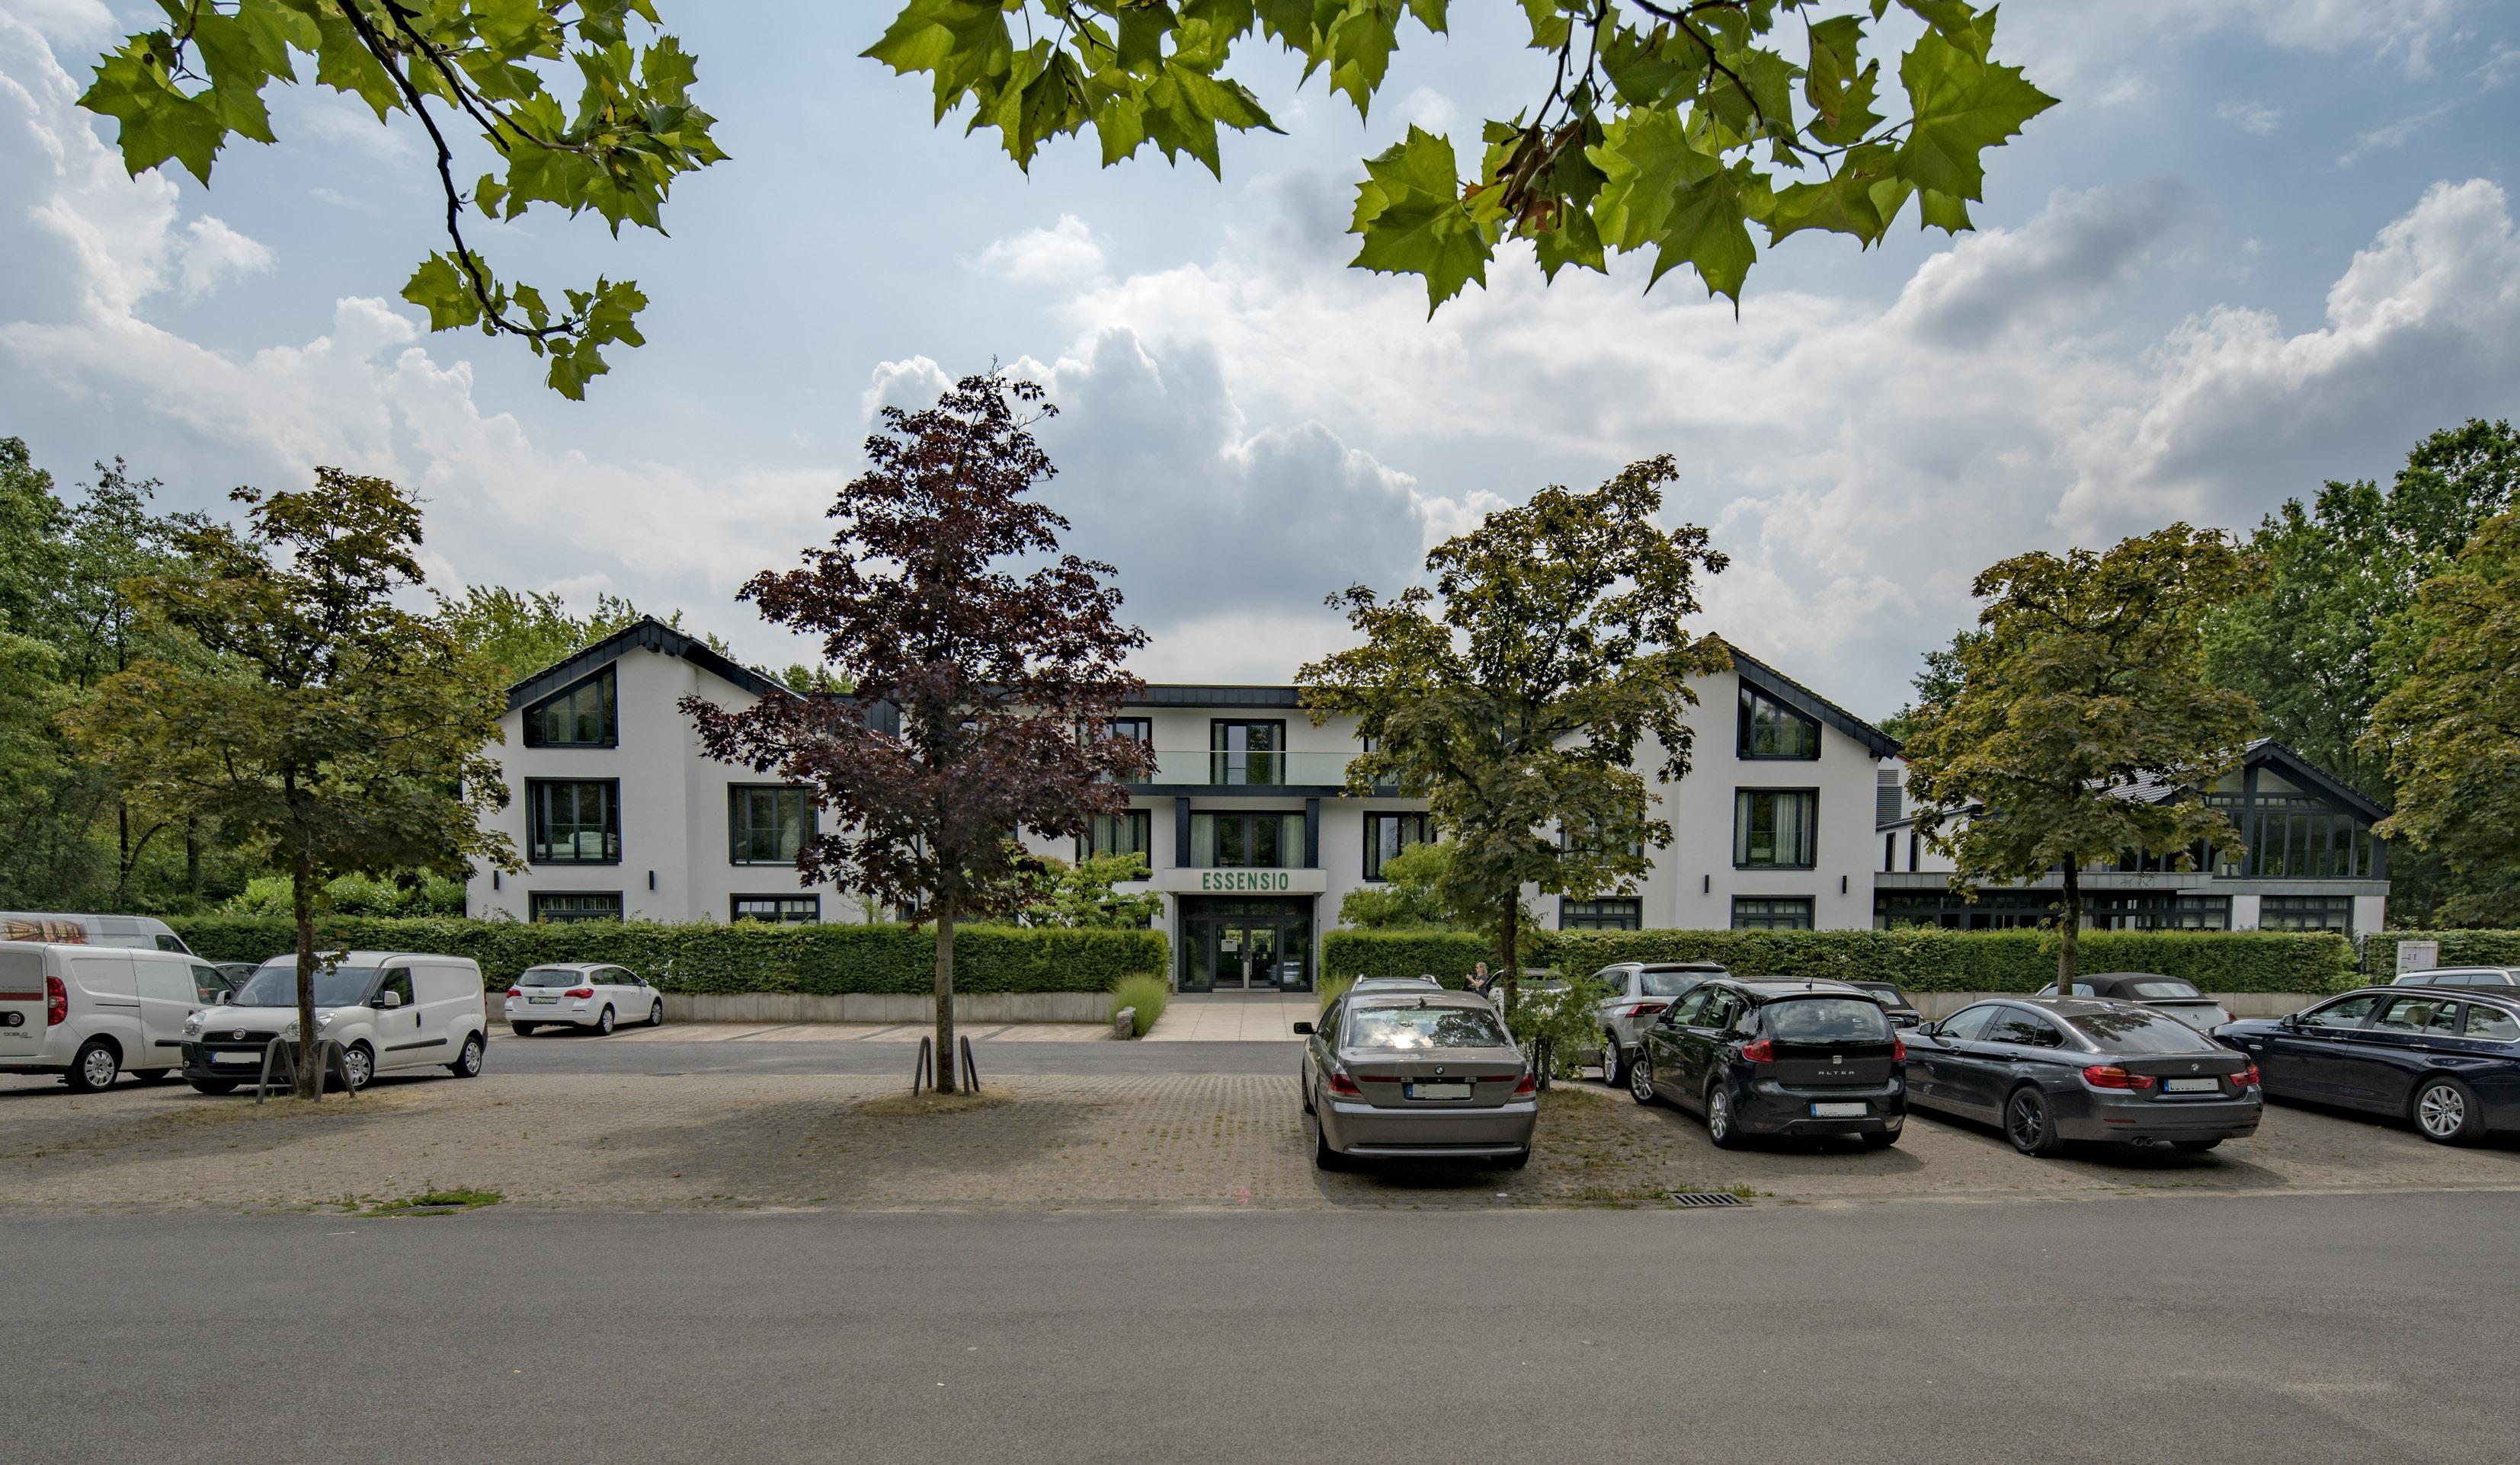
(1440, 1090)
(2192, 1086)
(1839, 1111)
(236, 1058)
(542, 1000)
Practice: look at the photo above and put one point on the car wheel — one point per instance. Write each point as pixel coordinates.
(1879, 1139)
(521, 1029)
(1720, 1124)
(2446, 1112)
(1325, 1157)
(604, 1023)
(358, 1066)
(2028, 1124)
(1614, 1060)
(2193, 1146)
(467, 1063)
(1641, 1083)
(1307, 1090)
(214, 1086)
(656, 1013)
(94, 1067)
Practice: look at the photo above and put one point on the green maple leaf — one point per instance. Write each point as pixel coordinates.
(159, 122)
(1686, 204)
(1963, 106)
(1414, 221)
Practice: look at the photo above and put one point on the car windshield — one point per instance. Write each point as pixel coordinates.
(2141, 1032)
(1828, 1019)
(552, 976)
(276, 986)
(2167, 987)
(1408, 1029)
(1672, 982)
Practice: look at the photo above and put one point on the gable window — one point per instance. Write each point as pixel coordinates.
(1133, 729)
(1771, 729)
(573, 820)
(556, 905)
(1623, 915)
(1387, 834)
(1772, 913)
(778, 909)
(1128, 833)
(1246, 841)
(583, 716)
(1775, 829)
(1247, 752)
(767, 823)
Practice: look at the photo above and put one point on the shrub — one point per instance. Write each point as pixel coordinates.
(1927, 958)
(1147, 992)
(1329, 990)
(1448, 955)
(743, 956)
(2379, 949)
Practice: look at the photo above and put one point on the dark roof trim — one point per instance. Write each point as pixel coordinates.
(646, 634)
(1185, 694)
(1812, 704)
(2266, 752)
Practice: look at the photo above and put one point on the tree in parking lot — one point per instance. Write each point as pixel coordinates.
(982, 695)
(329, 727)
(2086, 683)
(1517, 703)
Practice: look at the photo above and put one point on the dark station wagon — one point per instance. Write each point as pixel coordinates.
(2446, 1059)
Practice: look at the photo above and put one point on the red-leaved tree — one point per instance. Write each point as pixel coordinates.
(982, 696)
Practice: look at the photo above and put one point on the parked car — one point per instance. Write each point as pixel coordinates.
(2049, 1071)
(1639, 991)
(582, 995)
(1902, 1012)
(144, 933)
(1430, 1076)
(389, 1010)
(2448, 1060)
(2176, 995)
(2460, 976)
(1776, 1055)
(91, 1013)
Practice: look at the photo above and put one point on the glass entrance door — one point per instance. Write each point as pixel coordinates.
(1253, 945)
(1246, 958)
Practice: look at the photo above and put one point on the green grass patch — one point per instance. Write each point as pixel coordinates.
(1146, 994)
(438, 1203)
(1331, 990)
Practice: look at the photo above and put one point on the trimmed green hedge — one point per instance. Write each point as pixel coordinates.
(2458, 949)
(1924, 959)
(743, 956)
(1447, 955)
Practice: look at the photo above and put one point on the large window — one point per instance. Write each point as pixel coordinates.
(1775, 829)
(1387, 834)
(573, 820)
(2305, 912)
(781, 910)
(2291, 836)
(1129, 834)
(549, 905)
(1772, 913)
(583, 716)
(1247, 752)
(767, 823)
(1246, 841)
(1771, 729)
(1623, 915)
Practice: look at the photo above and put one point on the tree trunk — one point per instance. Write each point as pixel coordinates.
(302, 906)
(1508, 939)
(945, 1075)
(2068, 950)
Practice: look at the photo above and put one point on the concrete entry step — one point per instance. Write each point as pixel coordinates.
(1232, 1017)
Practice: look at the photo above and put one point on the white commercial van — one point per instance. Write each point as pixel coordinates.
(145, 932)
(389, 1010)
(91, 1013)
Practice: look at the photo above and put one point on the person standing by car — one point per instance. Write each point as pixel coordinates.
(1479, 982)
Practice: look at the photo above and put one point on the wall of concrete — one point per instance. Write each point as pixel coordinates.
(1935, 1005)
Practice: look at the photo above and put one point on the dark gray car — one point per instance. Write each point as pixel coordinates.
(1431, 1076)
(2049, 1070)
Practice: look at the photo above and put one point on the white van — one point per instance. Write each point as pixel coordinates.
(92, 1013)
(145, 932)
(391, 1011)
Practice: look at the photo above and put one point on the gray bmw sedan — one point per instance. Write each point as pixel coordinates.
(1429, 1076)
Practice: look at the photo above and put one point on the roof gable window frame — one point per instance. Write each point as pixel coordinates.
(604, 681)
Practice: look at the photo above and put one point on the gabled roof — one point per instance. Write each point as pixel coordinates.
(1812, 704)
(2266, 752)
(647, 634)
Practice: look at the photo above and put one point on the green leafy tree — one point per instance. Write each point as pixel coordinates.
(1088, 893)
(338, 732)
(520, 633)
(1938, 681)
(2450, 730)
(1409, 896)
(1517, 701)
(2087, 680)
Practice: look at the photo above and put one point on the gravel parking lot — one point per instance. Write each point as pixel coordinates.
(647, 1142)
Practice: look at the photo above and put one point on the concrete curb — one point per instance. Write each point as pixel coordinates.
(887, 1007)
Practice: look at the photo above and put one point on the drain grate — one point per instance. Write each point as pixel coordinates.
(1698, 1200)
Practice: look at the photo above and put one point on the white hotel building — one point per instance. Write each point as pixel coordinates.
(1247, 824)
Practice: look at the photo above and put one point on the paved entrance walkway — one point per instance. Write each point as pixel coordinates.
(1232, 1017)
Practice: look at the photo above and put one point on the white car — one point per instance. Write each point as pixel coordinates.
(1639, 993)
(391, 1011)
(92, 1013)
(582, 995)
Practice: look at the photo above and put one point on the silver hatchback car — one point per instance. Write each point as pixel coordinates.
(1429, 1076)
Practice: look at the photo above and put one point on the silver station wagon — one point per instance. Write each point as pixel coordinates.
(1426, 1075)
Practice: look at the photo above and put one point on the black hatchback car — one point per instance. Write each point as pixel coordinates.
(2448, 1060)
(2049, 1070)
(1772, 1055)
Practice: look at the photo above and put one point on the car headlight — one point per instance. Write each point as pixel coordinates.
(324, 1020)
(192, 1024)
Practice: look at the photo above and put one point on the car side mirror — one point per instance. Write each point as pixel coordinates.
(220, 998)
(1929, 1029)
(1303, 1029)
(2289, 1020)
(389, 1000)
(1903, 1020)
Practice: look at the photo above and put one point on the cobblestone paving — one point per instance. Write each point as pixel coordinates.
(647, 1142)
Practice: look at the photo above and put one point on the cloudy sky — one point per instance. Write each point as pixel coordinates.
(2262, 242)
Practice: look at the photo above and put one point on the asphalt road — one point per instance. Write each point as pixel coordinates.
(2294, 1330)
(569, 1052)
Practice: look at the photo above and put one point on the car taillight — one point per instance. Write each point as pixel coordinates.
(1760, 1051)
(516, 991)
(2246, 1078)
(580, 992)
(1342, 1084)
(2109, 1075)
(1898, 1048)
(1646, 1009)
(1527, 1084)
(56, 1002)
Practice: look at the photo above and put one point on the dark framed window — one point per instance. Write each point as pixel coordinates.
(1771, 729)
(1591, 842)
(1246, 751)
(1888, 803)
(1776, 828)
(1246, 840)
(2305, 912)
(1772, 913)
(767, 823)
(575, 905)
(1387, 834)
(573, 820)
(1128, 833)
(583, 715)
(1132, 729)
(778, 909)
(2292, 836)
(1626, 913)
